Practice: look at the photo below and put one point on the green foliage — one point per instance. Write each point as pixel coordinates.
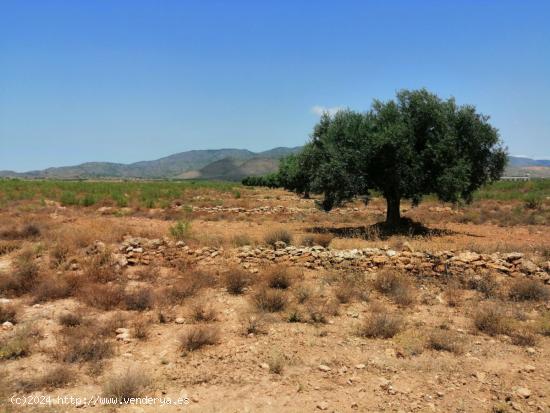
(180, 230)
(270, 181)
(409, 147)
(146, 194)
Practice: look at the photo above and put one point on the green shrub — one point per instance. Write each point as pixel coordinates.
(180, 230)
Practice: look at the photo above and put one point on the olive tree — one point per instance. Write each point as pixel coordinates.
(406, 148)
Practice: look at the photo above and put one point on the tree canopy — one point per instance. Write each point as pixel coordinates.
(406, 148)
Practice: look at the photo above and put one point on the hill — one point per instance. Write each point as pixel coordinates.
(223, 164)
(227, 164)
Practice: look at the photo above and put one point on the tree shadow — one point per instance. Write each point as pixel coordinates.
(381, 230)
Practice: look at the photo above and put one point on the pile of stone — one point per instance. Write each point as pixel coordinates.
(264, 210)
(144, 251)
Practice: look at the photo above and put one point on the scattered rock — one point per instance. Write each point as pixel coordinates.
(323, 367)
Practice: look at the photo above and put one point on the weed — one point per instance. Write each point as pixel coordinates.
(199, 336)
(270, 300)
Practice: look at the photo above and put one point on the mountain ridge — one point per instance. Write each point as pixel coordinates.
(222, 164)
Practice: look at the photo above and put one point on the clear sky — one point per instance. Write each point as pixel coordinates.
(123, 81)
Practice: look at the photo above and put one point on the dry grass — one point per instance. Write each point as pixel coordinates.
(279, 276)
(543, 324)
(453, 294)
(70, 319)
(396, 286)
(491, 319)
(23, 277)
(140, 328)
(140, 299)
(270, 300)
(18, 343)
(444, 340)
(278, 235)
(323, 240)
(253, 323)
(55, 378)
(319, 309)
(8, 312)
(528, 289)
(197, 337)
(103, 296)
(236, 280)
(202, 312)
(486, 284)
(381, 324)
(54, 287)
(27, 231)
(84, 343)
(523, 336)
(276, 363)
(302, 293)
(8, 246)
(127, 385)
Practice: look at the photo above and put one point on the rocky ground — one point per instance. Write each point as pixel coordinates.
(393, 323)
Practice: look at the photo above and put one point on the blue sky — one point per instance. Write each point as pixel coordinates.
(135, 80)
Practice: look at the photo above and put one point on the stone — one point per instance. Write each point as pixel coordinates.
(322, 405)
(360, 366)
(7, 325)
(325, 368)
(180, 320)
(467, 257)
(528, 266)
(523, 392)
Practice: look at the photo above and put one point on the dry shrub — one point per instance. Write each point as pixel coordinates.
(270, 300)
(444, 340)
(27, 231)
(411, 342)
(323, 240)
(188, 284)
(127, 385)
(148, 273)
(543, 324)
(528, 289)
(523, 336)
(53, 287)
(101, 268)
(18, 343)
(396, 286)
(84, 343)
(453, 294)
(319, 309)
(491, 319)
(140, 299)
(279, 276)
(140, 328)
(56, 378)
(199, 336)
(59, 254)
(8, 246)
(278, 235)
(302, 293)
(70, 319)
(486, 284)
(103, 296)
(23, 277)
(236, 280)
(352, 286)
(242, 240)
(253, 323)
(203, 312)
(276, 363)
(8, 312)
(381, 324)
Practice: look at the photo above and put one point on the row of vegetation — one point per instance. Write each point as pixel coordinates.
(148, 194)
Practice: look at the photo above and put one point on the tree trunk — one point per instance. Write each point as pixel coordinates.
(393, 214)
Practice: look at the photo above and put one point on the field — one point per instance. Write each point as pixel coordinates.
(233, 298)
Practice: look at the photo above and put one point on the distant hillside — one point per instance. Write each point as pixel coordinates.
(222, 164)
(230, 164)
(521, 166)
